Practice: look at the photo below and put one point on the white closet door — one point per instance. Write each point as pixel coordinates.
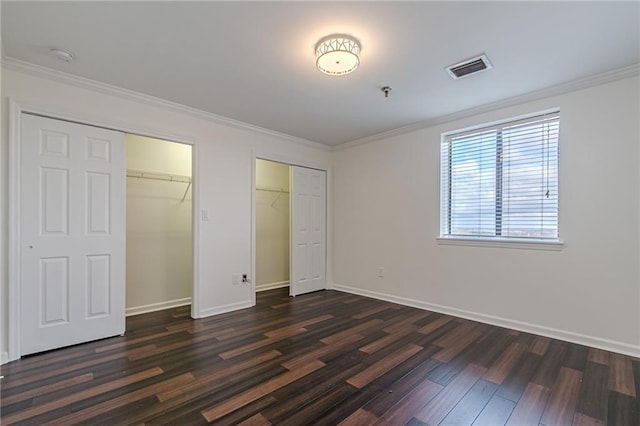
(72, 233)
(308, 230)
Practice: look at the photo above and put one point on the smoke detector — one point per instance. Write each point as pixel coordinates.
(61, 54)
(469, 66)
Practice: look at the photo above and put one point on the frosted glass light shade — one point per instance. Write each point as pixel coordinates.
(338, 55)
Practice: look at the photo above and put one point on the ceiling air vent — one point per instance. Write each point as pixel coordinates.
(468, 67)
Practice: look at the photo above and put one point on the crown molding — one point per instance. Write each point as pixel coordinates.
(85, 83)
(570, 86)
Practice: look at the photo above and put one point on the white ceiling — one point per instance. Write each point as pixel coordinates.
(254, 61)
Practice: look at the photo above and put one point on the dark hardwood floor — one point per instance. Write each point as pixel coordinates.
(323, 358)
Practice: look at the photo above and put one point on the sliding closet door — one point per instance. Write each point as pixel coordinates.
(308, 230)
(72, 233)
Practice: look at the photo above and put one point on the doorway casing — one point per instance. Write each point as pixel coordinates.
(291, 161)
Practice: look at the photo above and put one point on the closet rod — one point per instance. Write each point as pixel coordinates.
(268, 189)
(139, 174)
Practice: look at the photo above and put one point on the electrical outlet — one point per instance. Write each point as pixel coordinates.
(380, 272)
(236, 279)
(245, 279)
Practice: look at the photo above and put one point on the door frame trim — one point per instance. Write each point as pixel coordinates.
(16, 109)
(290, 161)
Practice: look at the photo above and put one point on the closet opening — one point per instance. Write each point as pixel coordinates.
(159, 228)
(272, 225)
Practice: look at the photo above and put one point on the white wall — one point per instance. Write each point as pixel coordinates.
(386, 214)
(272, 224)
(222, 173)
(159, 243)
(384, 210)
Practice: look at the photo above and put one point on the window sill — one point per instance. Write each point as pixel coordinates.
(502, 243)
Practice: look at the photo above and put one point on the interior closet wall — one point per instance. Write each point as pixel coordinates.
(272, 225)
(159, 225)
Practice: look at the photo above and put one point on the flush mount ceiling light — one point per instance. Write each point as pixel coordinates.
(338, 54)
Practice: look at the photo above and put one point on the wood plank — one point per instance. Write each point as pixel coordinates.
(232, 404)
(598, 355)
(593, 396)
(496, 412)
(564, 396)
(372, 311)
(256, 420)
(427, 339)
(120, 401)
(529, 408)
(42, 390)
(391, 395)
(504, 364)
(445, 372)
(286, 331)
(411, 404)
(383, 342)
(233, 333)
(491, 347)
(206, 380)
(635, 364)
(59, 371)
(379, 368)
(259, 344)
(399, 323)
(458, 345)
(547, 372)
(621, 375)
(622, 409)
(539, 345)
(78, 396)
(379, 389)
(580, 419)
(142, 352)
(133, 342)
(454, 335)
(470, 406)
(322, 351)
(516, 382)
(358, 329)
(434, 325)
(313, 386)
(438, 408)
(328, 402)
(576, 357)
(191, 417)
(360, 417)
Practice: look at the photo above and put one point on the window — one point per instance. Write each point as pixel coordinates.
(501, 182)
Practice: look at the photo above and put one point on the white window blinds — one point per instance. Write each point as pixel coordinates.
(501, 181)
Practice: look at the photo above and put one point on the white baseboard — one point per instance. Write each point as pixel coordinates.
(224, 309)
(271, 286)
(136, 310)
(554, 333)
(4, 357)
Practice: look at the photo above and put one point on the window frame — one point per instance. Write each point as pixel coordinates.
(492, 241)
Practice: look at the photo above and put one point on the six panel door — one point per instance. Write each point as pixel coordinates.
(308, 230)
(72, 233)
